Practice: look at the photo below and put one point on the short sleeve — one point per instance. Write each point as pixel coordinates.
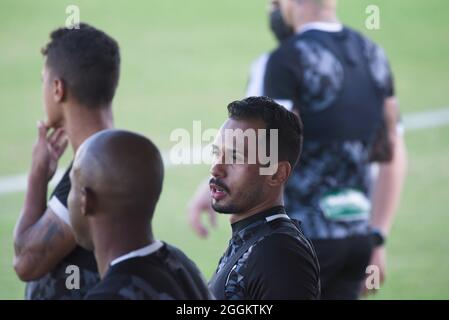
(281, 268)
(58, 199)
(281, 82)
(379, 67)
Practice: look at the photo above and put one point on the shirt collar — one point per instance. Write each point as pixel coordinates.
(267, 215)
(145, 251)
(321, 26)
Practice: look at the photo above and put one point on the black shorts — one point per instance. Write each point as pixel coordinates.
(343, 265)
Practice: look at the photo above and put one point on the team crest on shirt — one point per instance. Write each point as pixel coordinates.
(322, 78)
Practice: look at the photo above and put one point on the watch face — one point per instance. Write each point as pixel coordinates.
(378, 238)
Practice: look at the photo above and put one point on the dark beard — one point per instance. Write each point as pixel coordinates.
(249, 200)
(279, 28)
(229, 209)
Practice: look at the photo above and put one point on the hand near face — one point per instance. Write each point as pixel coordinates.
(48, 149)
(201, 204)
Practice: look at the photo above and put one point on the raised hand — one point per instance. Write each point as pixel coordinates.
(48, 149)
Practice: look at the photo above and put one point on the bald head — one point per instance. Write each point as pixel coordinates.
(123, 165)
(116, 175)
(319, 3)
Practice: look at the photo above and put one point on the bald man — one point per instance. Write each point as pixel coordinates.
(116, 182)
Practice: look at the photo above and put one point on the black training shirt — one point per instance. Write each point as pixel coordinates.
(156, 272)
(278, 265)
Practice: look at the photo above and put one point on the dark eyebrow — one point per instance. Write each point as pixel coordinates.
(233, 152)
(215, 148)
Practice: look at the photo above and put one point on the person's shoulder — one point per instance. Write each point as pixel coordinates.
(282, 259)
(277, 241)
(179, 254)
(368, 44)
(292, 48)
(283, 247)
(192, 270)
(108, 288)
(352, 31)
(285, 47)
(182, 258)
(120, 285)
(284, 55)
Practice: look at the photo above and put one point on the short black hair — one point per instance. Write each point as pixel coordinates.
(275, 116)
(87, 60)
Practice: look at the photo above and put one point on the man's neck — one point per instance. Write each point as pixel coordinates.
(325, 18)
(82, 122)
(111, 244)
(236, 217)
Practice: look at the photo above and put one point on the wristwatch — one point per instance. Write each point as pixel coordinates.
(378, 237)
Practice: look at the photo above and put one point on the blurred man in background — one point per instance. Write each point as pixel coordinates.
(281, 33)
(80, 76)
(341, 84)
(116, 181)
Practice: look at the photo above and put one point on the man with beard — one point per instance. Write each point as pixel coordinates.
(341, 84)
(268, 256)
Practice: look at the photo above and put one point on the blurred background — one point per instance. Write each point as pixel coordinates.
(185, 61)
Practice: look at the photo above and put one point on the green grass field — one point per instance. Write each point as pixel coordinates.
(184, 61)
